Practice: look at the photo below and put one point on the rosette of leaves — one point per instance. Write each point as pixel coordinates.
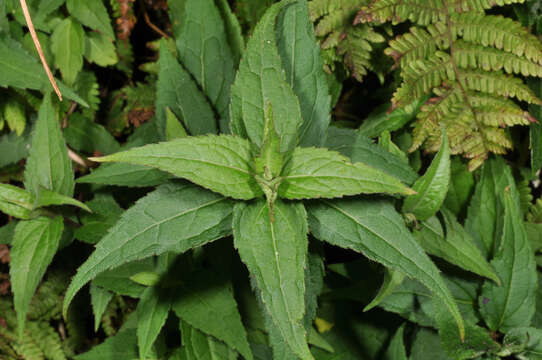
(470, 63)
(269, 183)
(341, 40)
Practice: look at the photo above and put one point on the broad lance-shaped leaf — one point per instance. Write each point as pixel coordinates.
(15, 201)
(206, 302)
(152, 311)
(48, 164)
(121, 174)
(22, 70)
(219, 163)
(34, 245)
(261, 80)
(200, 346)
(204, 52)
(457, 246)
(68, 46)
(512, 304)
(396, 350)
(432, 187)
(321, 173)
(175, 217)
(300, 54)
(99, 298)
(176, 90)
(275, 255)
(374, 228)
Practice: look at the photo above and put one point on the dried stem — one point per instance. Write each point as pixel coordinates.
(150, 24)
(38, 48)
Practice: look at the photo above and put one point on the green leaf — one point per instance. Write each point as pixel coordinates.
(15, 115)
(177, 91)
(220, 163)
(47, 197)
(48, 164)
(175, 217)
(13, 148)
(477, 341)
(321, 173)
(456, 247)
(233, 30)
(206, 302)
(512, 304)
(199, 346)
(275, 254)
(392, 279)
(300, 54)
(68, 45)
(174, 128)
(204, 52)
(527, 340)
(432, 186)
(92, 14)
(360, 148)
(84, 135)
(260, 81)
(396, 350)
(374, 228)
(22, 70)
(34, 244)
(125, 175)
(105, 213)
(146, 278)
(427, 346)
(118, 280)
(15, 201)
(7, 231)
(99, 298)
(460, 187)
(152, 311)
(99, 49)
(535, 129)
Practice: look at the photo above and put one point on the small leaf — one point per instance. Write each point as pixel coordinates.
(204, 52)
(207, 303)
(15, 201)
(320, 173)
(68, 45)
(360, 148)
(85, 135)
(512, 304)
(176, 90)
(174, 128)
(275, 254)
(200, 346)
(374, 228)
(219, 163)
(457, 247)
(47, 198)
(175, 217)
(120, 174)
(146, 278)
(432, 187)
(396, 350)
(528, 339)
(99, 49)
(15, 115)
(260, 81)
(152, 311)
(48, 164)
(300, 54)
(92, 14)
(99, 298)
(392, 279)
(14, 148)
(34, 244)
(460, 188)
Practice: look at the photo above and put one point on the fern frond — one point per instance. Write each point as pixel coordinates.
(87, 87)
(467, 61)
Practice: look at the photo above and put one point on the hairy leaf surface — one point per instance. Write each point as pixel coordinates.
(15, 201)
(219, 163)
(374, 228)
(34, 244)
(175, 217)
(121, 174)
(261, 80)
(321, 173)
(275, 254)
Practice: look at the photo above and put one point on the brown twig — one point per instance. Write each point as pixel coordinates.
(77, 158)
(151, 25)
(72, 108)
(38, 48)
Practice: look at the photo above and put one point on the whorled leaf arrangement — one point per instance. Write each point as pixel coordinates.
(469, 62)
(341, 41)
